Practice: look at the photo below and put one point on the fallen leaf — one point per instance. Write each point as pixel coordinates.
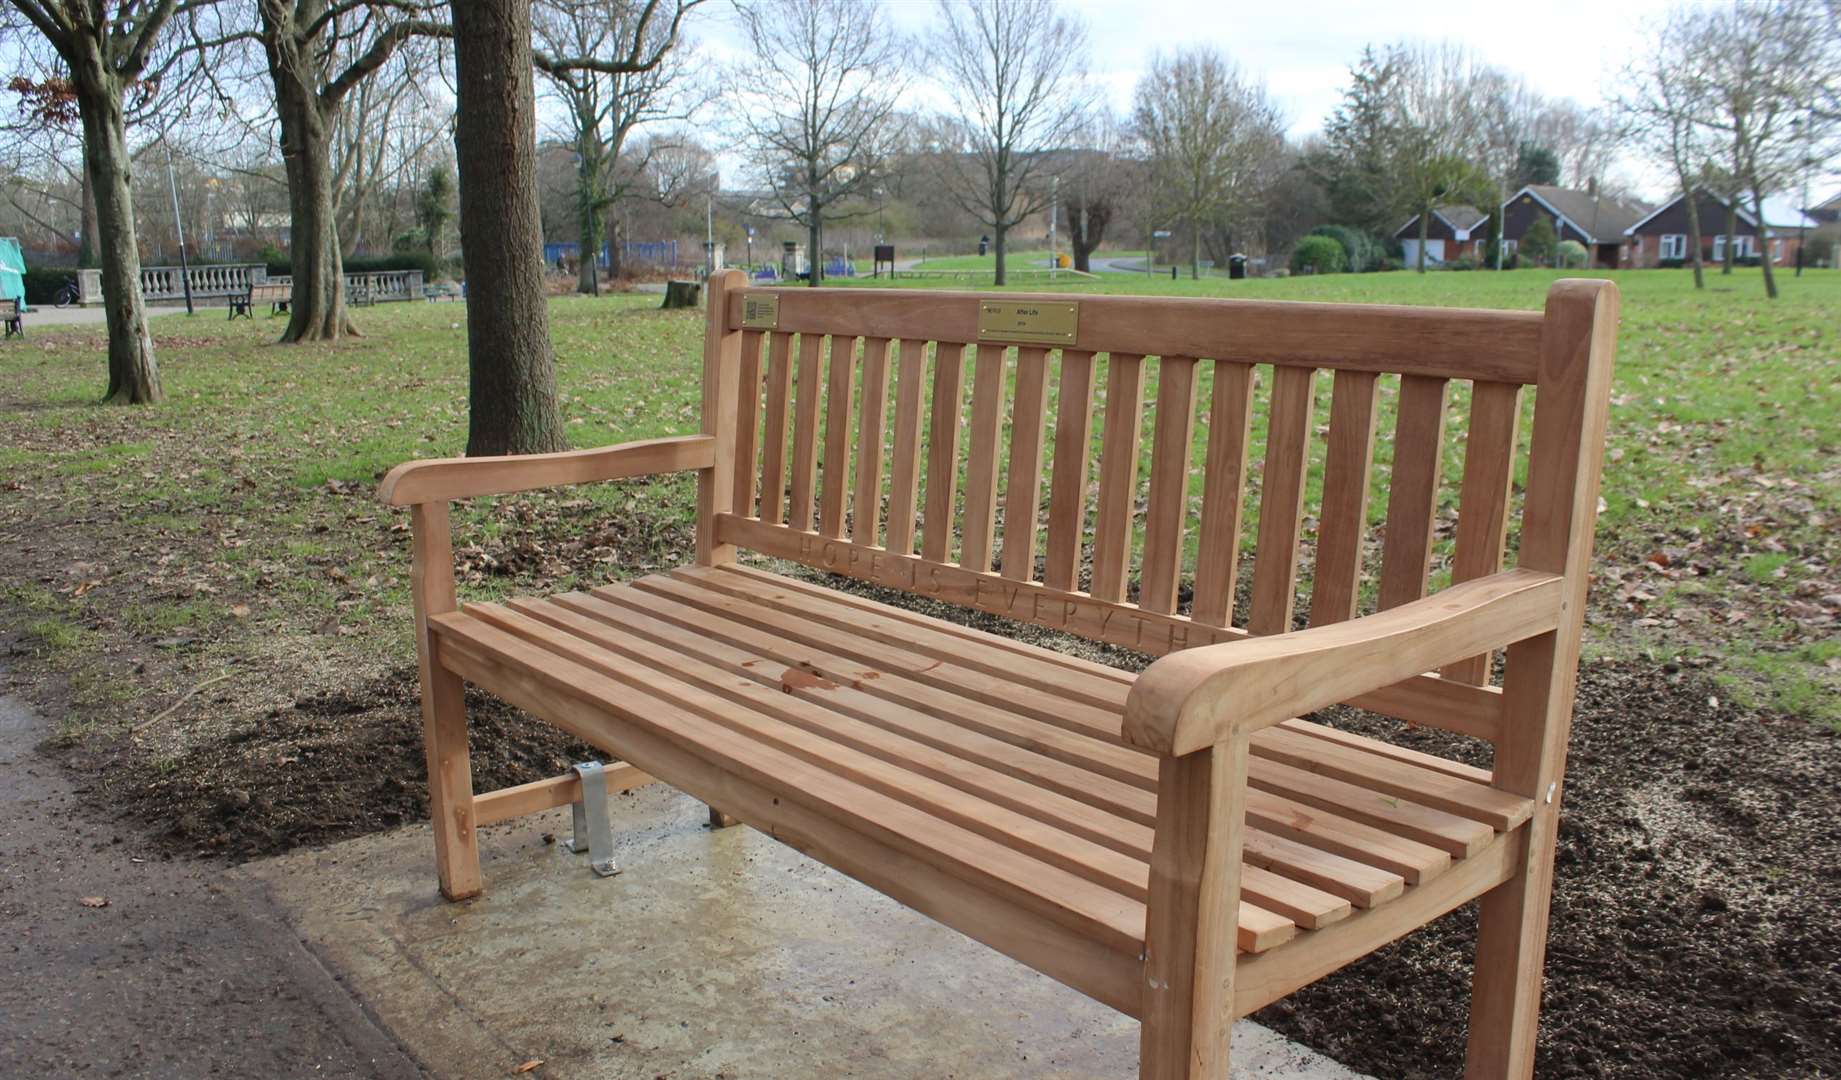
(532, 1064)
(241, 611)
(94, 901)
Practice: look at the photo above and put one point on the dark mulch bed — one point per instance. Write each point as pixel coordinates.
(1694, 928)
(327, 769)
(1694, 923)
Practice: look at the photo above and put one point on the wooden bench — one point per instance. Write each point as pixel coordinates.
(276, 295)
(12, 318)
(1176, 844)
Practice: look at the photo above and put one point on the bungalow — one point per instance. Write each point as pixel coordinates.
(1827, 211)
(1591, 218)
(1454, 232)
(1662, 236)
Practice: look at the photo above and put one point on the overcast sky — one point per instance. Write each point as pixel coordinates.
(1303, 48)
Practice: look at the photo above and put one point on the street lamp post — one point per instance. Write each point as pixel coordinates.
(185, 273)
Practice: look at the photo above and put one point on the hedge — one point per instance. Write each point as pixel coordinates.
(1318, 254)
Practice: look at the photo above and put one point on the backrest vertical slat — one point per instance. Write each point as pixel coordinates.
(1118, 475)
(1483, 501)
(1343, 523)
(1412, 494)
(1230, 416)
(1023, 481)
(866, 502)
(747, 421)
(943, 450)
(805, 432)
(904, 472)
(1169, 495)
(773, 434)
(1067, 490)
(981, 464)
(1281, 500)
(837, 435)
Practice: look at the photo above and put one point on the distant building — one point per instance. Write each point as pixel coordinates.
(1454, 232)
(1662, 235)
(1594, 219)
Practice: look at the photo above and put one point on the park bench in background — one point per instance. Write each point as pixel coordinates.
(277, 295)
(1177, 844)
(12, 318)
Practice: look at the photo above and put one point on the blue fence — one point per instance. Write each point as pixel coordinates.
(659, 253)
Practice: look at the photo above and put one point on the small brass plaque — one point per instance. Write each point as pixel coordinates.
(1030, 321)
(761, 311)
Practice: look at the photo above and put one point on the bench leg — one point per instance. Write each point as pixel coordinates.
(450, 783)
(1505, 995)
(1192, 924)
(720, 820)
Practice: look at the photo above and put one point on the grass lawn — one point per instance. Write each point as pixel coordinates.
(233, 529)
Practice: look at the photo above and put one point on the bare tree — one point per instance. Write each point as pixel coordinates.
(1774, 60)
(1439, 141)
(603, 109)
(389, 123)
(1014, 69)
(1212, 136)
(113, 53)
(1098, 184)
(1660, 107)
(817, 103)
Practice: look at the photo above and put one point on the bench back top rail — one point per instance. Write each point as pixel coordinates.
(1158, 478)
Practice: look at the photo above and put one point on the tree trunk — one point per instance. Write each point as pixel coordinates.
(1425, 229)
(134, 378)
(1195, 251)
(1693, 200)
(814, 236)
(1732, 231)
(1764, 246)
(86, 244)
(316, 311)
(1000, 241)
(614, 240)
(682, 294)
(512, 392)
(589, 169)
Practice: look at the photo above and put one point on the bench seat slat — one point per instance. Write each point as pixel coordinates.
(1094, 721)
(1090, 690)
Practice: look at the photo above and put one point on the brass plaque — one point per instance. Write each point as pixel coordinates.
(761, 311)
(1031, 321)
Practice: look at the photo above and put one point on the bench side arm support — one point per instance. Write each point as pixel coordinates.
(1196, 698)
(447, 479)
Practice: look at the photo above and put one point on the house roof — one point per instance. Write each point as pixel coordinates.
(1461, 217)
(1604, 218)
(1780, 212)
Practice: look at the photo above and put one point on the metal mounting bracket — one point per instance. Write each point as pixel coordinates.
(592, 833)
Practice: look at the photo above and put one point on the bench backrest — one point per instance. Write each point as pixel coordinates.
(9, 308)
(856, 449)
(270, 292)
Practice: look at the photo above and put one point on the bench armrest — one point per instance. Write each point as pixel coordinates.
(1196, 698)
(447, 479)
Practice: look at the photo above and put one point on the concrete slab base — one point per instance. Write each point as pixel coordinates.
(713, 954)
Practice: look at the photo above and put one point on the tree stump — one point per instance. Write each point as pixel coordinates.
(682, 294)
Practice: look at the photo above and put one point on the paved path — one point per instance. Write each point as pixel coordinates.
(712, 954)
(186, 973)
(76, 316)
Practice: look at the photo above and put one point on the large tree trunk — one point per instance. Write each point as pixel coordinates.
(134, 379)
(1195, 251)
(512, 393)
(1764, 246)
(1000, 241)
(1425, 229)
(317, 309)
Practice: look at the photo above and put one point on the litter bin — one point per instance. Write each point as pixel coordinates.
(1236, 266)
(984, 245)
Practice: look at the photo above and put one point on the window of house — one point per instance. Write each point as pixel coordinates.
(1674, 246)
(1742, 247)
